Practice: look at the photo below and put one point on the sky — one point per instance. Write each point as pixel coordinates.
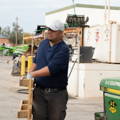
(31, 13)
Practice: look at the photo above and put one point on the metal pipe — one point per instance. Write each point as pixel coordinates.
(74, 6)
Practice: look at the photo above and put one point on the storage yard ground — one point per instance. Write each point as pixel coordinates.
(10, 99)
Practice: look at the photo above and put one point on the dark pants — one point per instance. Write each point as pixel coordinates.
(49, 106)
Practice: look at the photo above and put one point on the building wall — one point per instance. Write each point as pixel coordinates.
(4, 40)
(96, 16)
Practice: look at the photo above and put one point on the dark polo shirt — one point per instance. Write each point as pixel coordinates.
(56, 58)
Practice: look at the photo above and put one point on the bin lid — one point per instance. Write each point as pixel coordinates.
(113, 83)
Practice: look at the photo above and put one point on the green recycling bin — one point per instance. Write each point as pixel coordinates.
(111, 95)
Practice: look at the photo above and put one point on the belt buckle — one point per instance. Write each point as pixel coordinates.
(47, 90)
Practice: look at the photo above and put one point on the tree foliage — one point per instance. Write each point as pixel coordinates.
(13, 33)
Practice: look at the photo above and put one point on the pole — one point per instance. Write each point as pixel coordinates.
(108, 25)
(78, 63)
(74, 6)
(108, 10)
(32, 44)
(16, 30)
(0, 30)
(23, 38)
(105, 14)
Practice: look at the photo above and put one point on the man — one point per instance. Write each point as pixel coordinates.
(50, 70)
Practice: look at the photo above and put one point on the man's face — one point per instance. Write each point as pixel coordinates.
(54, 35)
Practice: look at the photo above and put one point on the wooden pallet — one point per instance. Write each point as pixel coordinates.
(26, 107)
(78, 30)
(73, 30)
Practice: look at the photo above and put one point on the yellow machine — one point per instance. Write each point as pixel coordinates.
(22, 65)
(26, 64)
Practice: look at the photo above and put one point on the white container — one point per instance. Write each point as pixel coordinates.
(90, 76)
(115, 49)
(106, 40)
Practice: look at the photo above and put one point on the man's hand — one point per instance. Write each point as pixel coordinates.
(29, 76)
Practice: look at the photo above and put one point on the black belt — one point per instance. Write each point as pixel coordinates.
(50, 90)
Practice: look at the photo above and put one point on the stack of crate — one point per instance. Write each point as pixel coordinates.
(26, 107)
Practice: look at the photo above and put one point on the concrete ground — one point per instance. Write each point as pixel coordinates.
(10, 99)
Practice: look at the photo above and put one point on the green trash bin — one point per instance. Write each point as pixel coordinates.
(111, 95)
